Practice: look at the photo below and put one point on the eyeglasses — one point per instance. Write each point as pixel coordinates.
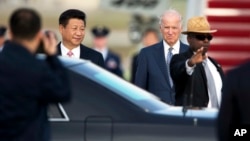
(202, 37)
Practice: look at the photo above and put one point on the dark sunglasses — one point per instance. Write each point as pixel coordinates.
(202, 37)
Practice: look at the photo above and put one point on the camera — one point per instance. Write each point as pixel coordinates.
(40, 48)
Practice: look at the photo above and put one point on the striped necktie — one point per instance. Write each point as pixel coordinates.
(169, 56)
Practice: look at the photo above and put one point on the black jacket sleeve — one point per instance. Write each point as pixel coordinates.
(55, 83)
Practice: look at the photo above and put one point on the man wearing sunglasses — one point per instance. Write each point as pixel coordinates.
(197, 77)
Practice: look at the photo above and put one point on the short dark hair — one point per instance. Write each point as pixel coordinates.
(151, 30)
(25, 23)
(70, 14)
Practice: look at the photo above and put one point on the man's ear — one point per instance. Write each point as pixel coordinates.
(9, 33)
(39, 35)
(61, 28)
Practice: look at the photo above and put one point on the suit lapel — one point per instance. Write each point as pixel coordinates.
(183, 47)
(83, 53)
(203, 73)
(59, 49)
(218, 67)
(160, 59)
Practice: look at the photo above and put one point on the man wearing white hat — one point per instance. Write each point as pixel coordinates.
(197, 77)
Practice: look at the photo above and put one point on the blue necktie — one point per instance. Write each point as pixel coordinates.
(169, 56)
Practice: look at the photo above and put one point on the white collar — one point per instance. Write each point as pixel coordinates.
(176, 47)
(65, 50)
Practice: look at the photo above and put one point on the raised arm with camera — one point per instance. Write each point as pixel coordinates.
(29, 84)
(50, 43)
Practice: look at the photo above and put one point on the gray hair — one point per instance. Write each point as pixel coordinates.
(171, 11)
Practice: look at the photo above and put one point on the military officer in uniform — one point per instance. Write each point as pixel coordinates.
(112, 61)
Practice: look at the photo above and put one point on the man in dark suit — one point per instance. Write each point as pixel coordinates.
(149, 37)
(72, 24)
(234, 111)
(197, 77)
(27, 84)
(112, 61)
(153, 72)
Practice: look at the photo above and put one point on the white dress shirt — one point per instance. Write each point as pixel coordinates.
(176, 48)
(216, 76)
(75, 51)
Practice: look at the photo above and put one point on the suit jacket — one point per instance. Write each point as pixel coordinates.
(197, 82)
(235, 103)
(151, 73)
(27, 86)
(113, 64)
(88, 54)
